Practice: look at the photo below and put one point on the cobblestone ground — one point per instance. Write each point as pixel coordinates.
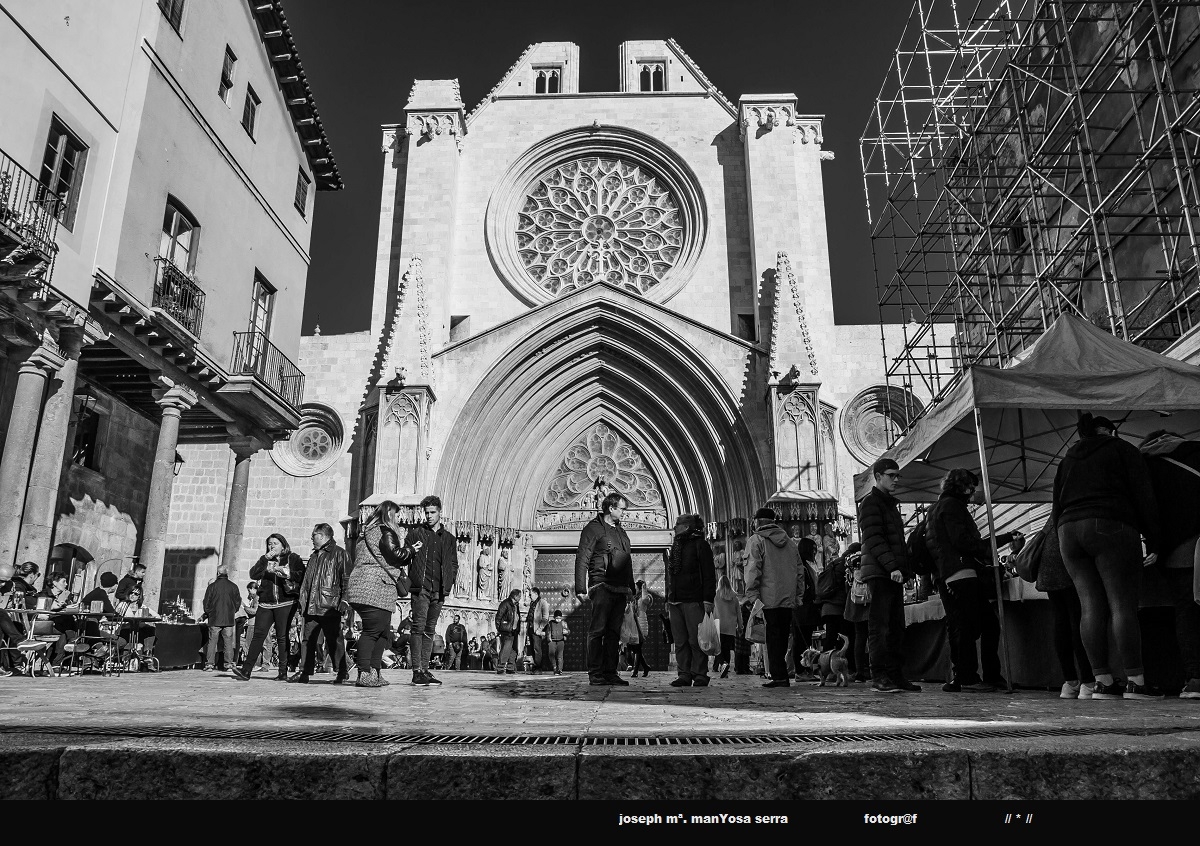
(484, 703)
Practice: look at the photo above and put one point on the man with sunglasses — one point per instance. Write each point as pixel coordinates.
(885, 568)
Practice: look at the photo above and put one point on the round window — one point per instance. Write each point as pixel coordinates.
(314, 446)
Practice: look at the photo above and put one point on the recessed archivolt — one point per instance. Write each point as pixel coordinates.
(616, 365)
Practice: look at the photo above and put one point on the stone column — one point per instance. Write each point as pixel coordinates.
(173, 401)
(19, 444)
(41, 499)
(235, 517)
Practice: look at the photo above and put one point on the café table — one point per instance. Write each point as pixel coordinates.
(30, 616)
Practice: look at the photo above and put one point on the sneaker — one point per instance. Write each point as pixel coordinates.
(419, 677)
(979, 687)
(207, 668)
(1070, 690)
(1143, 691)
(778, 683)
(616, 680)
(952, 687)
(429, 679)
(298, 678)
(237, 673)
(906, 685)
(1191, 690)
(558, 672)
(1116, 690)
(1086, 690)
(681, 683)
(884, 686)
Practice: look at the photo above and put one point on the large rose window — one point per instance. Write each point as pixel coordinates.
(598, 219)
(602, 456)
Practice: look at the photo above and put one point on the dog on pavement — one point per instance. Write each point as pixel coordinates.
(829, 665)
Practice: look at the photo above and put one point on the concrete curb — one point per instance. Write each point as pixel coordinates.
(1094, 767)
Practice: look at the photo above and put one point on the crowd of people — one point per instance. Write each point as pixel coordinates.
(1117, 510)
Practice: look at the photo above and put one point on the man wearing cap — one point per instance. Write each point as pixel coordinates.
(773, 576)
(604, 577)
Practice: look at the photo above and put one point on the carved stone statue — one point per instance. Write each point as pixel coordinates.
(484, 568)
(462, 584)
(504, 574)
(737, 571)
(527, 575)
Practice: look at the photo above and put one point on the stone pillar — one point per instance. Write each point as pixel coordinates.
(19, 444)
(173, 401)
(41, 499)
(235, 516)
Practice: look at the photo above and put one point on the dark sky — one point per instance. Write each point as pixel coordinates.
(361, 58)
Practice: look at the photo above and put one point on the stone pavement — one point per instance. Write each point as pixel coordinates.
(82, 736)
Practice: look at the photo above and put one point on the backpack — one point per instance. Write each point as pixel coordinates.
(827, 582)
(920, 558)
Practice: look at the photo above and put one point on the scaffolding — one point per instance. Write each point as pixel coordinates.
(1027, 158)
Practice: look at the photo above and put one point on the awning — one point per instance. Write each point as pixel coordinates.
(1028, 412)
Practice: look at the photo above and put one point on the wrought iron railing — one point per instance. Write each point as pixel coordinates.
(178, 295)
(254, 355)
(27, 207)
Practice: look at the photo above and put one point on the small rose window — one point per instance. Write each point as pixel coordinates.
(315, 445)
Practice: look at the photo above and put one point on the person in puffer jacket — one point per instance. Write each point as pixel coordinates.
(691, 587)
(774, 577)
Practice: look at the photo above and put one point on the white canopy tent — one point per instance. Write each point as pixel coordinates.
(1012, 425)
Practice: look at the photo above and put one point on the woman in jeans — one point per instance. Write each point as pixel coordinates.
(279, 573)
(1052, 579)
(726, 610)
(1103, 499)
(379, 560)
(691, 586)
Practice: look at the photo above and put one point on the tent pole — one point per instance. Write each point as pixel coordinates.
(987, 497)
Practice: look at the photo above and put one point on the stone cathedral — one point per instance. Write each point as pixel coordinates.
(579, 291)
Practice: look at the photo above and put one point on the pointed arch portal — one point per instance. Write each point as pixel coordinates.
(606, 360)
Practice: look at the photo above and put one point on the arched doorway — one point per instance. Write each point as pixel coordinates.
(77, 563)
(598, 358)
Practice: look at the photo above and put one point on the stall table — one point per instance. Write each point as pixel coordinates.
(179, 644)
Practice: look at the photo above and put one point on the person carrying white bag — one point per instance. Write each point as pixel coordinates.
(691, 587)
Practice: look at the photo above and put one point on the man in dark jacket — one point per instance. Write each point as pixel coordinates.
(604, 576)
(321, 604)
(691, 588)
(885, 568)
(222, 600)
(960, 552)
(1174, 466)
(456, 643)
(433, 571)
(508, 623)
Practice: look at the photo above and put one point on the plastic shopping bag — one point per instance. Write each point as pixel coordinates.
(629, 629)
(709, 635)
(756, 628)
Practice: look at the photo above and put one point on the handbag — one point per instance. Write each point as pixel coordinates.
(402, 581)
(708, 634)
(860, 591)
(629, 629)
(1029, 559)
(756, 628)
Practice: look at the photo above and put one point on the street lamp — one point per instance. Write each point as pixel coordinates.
(179, 462)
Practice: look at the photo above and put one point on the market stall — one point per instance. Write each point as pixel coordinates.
(1012, 425)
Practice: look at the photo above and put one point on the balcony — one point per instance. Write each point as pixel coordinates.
(28, 223)
(264, 383)
(179, 296)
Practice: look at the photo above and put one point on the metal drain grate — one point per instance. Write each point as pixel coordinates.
(583, 740)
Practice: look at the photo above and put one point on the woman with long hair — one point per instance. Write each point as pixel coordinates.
(725, 606)
(379, 578)
(641, 616)
(1104, 504)
(279, 572)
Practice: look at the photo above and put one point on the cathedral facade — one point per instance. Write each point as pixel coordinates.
(578, 292)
